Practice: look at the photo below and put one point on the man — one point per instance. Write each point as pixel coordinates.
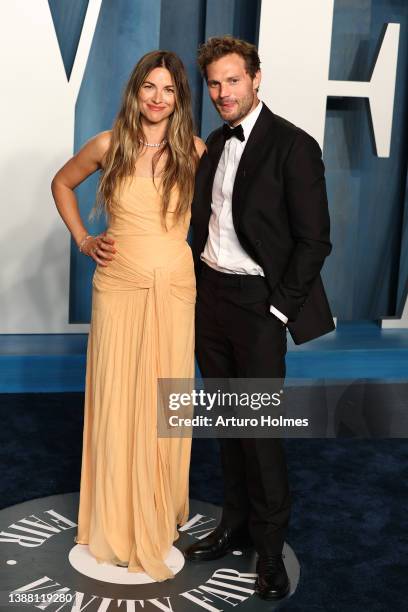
(260, 237)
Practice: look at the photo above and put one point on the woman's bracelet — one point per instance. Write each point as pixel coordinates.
(81, 244)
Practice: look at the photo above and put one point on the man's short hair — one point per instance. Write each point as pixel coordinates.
(219, 46)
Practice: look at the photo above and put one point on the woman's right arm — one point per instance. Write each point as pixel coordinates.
(77, 169)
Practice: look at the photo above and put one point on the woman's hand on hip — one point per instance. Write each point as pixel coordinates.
(100, 248)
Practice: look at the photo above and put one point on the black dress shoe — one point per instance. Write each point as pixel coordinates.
(217, 544)
(272, 581)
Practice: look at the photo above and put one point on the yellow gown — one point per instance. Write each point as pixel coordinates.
(134, 484)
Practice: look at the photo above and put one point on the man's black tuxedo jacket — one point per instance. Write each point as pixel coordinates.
(280, 215)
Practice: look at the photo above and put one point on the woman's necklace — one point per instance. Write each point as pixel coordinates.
(150, 144)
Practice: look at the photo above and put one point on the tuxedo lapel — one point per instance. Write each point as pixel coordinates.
(258, 141)
(215, 151)
(206, 172)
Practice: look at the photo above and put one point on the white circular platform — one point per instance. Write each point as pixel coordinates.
(82, 560)
(39, 558)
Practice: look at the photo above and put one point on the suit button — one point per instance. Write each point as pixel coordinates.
(258, 242)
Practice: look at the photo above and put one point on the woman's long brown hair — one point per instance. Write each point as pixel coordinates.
(181, 155)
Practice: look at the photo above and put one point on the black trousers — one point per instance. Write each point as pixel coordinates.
(238, 337)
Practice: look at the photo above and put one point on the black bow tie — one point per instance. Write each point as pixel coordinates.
(237, 131)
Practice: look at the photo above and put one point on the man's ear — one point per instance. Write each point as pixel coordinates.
(256, 80)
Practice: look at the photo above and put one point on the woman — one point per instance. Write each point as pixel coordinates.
(134, 485)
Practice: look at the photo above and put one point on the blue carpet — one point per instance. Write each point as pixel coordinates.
(349, 523)
(358, 350)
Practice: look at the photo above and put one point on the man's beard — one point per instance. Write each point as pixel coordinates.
(244, 106)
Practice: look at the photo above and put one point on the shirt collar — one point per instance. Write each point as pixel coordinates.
(249, 121)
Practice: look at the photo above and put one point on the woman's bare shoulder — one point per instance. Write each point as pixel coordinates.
(100, 143)
(85, 162)
(199, 145)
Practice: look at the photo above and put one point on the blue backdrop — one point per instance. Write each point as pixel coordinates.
(367, 274)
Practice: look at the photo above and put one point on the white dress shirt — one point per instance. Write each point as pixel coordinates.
(223, 251)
